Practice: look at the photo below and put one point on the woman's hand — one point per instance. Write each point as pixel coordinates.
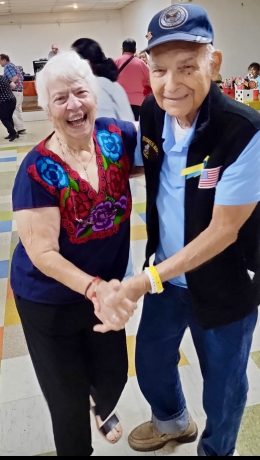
(112, 306)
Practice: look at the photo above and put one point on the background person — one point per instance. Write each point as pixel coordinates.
(133, 75)
(14, 75)
(7, 107)
(54, 50)
(112, 100)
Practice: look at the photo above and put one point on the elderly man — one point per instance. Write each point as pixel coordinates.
(54, 51)
(200, 152)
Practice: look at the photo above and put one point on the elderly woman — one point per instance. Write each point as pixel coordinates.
(72, 206)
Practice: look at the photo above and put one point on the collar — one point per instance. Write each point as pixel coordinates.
(168, 136)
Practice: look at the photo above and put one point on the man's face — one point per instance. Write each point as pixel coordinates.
(181, 75)
(55, 49)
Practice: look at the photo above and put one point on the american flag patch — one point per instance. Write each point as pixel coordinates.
(209, 177)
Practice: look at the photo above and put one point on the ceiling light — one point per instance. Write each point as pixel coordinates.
(2, 3)
(75, 6)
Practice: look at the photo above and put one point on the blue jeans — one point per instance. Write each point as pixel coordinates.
(223, 354)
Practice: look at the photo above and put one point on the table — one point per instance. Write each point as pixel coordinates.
(29, 88)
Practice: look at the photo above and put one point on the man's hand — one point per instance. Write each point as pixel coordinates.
(137, 286)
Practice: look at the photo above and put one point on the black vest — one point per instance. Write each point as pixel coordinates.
(222, 289)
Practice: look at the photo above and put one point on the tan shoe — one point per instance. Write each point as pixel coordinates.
(146, 438)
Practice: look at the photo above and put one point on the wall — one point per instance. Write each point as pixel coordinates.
(236, 24)
(136, 17)
(237, 31)
(25, 43)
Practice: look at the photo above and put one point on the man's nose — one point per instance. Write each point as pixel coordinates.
(172, 80)
(73, 102)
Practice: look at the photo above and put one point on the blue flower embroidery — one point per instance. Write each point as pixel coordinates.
(52, 173)
(111, 145)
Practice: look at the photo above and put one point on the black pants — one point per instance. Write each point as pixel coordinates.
(136, 111)
(71, 361)
(6, 115)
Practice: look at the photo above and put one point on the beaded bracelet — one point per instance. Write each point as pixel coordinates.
(97, 279)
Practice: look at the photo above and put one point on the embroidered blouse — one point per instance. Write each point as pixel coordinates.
(95, 226)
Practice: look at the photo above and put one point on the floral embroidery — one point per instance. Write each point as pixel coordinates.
(85, 213)
(116, 181)
(111, 145)
(52, 173)
(103, 216)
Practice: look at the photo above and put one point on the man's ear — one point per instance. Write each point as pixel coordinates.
(216, 63)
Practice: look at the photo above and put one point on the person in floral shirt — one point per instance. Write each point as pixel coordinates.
(72, 205)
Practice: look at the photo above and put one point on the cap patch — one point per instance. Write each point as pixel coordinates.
(174, 16)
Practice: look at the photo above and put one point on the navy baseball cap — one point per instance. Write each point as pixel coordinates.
(185, 22)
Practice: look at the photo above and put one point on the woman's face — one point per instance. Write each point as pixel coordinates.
(72, 109)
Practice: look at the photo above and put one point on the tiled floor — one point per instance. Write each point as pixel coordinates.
(25, 427)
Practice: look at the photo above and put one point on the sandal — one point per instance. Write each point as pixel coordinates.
(111, 429)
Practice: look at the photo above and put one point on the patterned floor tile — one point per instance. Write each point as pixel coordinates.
(139, 207)
(131, 355)
(14, 342)
(14, 241)
(5, 239)
(1, 341)
(255, 355)
(4, 266)
(8, 158)
(249, 437)
(138, 232)
(6, 226)
(3, 291)
(11, 315)
(131, 342)
(6, 215)
(7, 180)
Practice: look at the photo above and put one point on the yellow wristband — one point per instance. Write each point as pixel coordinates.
(156, 279)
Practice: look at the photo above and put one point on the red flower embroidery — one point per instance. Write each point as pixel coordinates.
(116, 181)
(77, 205)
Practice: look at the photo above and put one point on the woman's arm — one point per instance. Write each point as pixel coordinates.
(39, 231)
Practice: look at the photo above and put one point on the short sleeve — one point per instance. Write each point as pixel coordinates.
(240, 183)
(28, 191)
(138, 160)
(10, 72)
(129, 136)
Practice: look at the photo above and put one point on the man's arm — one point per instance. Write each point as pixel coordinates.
(222, 232)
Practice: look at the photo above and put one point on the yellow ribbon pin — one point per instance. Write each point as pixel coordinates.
(194, 170)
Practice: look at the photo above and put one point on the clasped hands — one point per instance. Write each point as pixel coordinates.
(115, 302)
